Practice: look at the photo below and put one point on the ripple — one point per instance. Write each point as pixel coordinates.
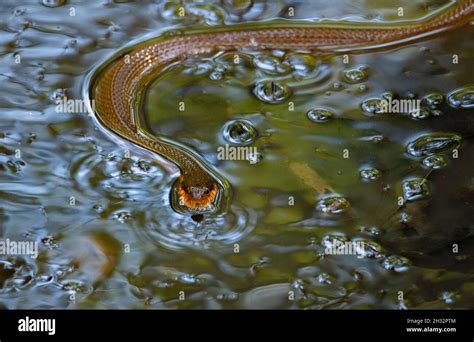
(303, 65)
(271, 65)
(119, 177)
(272, 92)
(17, 274)
(188, 13)
(244, 10)
(174, 231)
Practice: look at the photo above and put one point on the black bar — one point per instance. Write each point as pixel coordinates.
(317, 325)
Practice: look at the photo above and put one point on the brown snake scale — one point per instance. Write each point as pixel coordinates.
(118, 84)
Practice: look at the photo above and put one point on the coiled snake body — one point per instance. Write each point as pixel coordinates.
(119, 83)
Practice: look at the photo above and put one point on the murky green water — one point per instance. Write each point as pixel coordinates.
(327, 169)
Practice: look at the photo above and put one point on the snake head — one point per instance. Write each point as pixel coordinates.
(196, 193)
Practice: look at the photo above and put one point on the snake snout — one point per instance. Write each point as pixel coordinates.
(198, 191)
(197, 195)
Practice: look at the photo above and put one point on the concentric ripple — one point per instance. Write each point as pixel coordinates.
(174, 231)
(116, 175)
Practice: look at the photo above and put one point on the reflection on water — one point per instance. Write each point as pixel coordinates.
(331, 167)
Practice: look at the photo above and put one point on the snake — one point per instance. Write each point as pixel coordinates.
(119, 84)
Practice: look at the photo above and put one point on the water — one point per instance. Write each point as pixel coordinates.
(400, 184)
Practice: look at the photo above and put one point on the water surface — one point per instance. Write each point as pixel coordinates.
(328, 168)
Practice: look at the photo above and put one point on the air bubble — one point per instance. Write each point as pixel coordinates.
(374, 106)
(462, 98)
(76, 287)
(324, 278)
(396, 263)
(433, 100)
(370, 249)
(434, 162)
(420, 114)
(240, 132)
(374, 231)
(58, 95)
(415, 189)
(303, 65)
(334, 240)
(19, 11)
(271, 92)
(123, 216)
(369, 173)
(271, 65)
(433, 143)
(53, 3)
(333, 205)
(448, 297)
(355, 75)
(49, 242)
(319, 115)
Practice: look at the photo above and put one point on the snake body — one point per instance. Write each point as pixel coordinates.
(119, 84)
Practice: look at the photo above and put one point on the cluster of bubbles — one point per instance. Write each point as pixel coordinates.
(278, 69)
(430, 104)
(211, 13)
(429, 147)
(365, 248)
(21, 274)
(117, 176)
(350, 76)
